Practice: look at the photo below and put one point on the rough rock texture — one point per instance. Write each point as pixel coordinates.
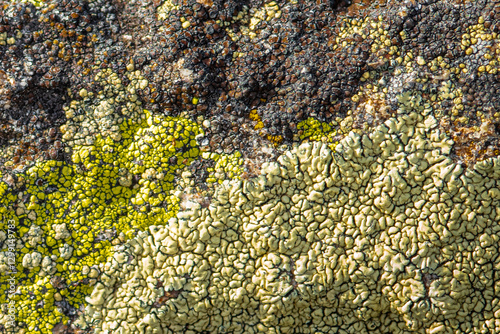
(283, 61)
(116, 115)
(386, 235)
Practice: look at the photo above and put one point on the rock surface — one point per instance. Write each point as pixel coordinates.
(374, 127)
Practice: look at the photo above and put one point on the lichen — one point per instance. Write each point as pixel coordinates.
(70, 215)
(227, 166)
(248, 19)
(314, 130)
(385, 234)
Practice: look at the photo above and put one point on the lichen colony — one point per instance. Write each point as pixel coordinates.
(209, 166)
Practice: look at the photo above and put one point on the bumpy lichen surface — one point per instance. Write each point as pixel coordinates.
(227, 166)
(385, 235)
(102, 113)
(69, 215)
(84, 167)
(314, 130)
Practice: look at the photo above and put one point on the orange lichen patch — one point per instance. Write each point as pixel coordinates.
(276, 140)
(259, 125)
(474, 143)
(207, 3)
(254, 116)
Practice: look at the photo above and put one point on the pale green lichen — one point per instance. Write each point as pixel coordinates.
(122, 178)
(227, 166)
(387, 234)
(249, 18)
(164, 9)
(102, 113)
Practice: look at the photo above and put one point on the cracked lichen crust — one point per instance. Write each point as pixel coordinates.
(102, 113)
(127, 171)
(386, 234)
(69, 215)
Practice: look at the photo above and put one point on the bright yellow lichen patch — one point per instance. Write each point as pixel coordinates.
(122, 175)
(70, 215)
(315, 130)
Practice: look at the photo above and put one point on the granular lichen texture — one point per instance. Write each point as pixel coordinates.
(69, 215)
(213, 166)
(385, 235)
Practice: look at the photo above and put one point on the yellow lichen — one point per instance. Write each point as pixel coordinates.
(227, 166)
(314, 130)
(249, 18)
(163, 10)
(70, 215)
